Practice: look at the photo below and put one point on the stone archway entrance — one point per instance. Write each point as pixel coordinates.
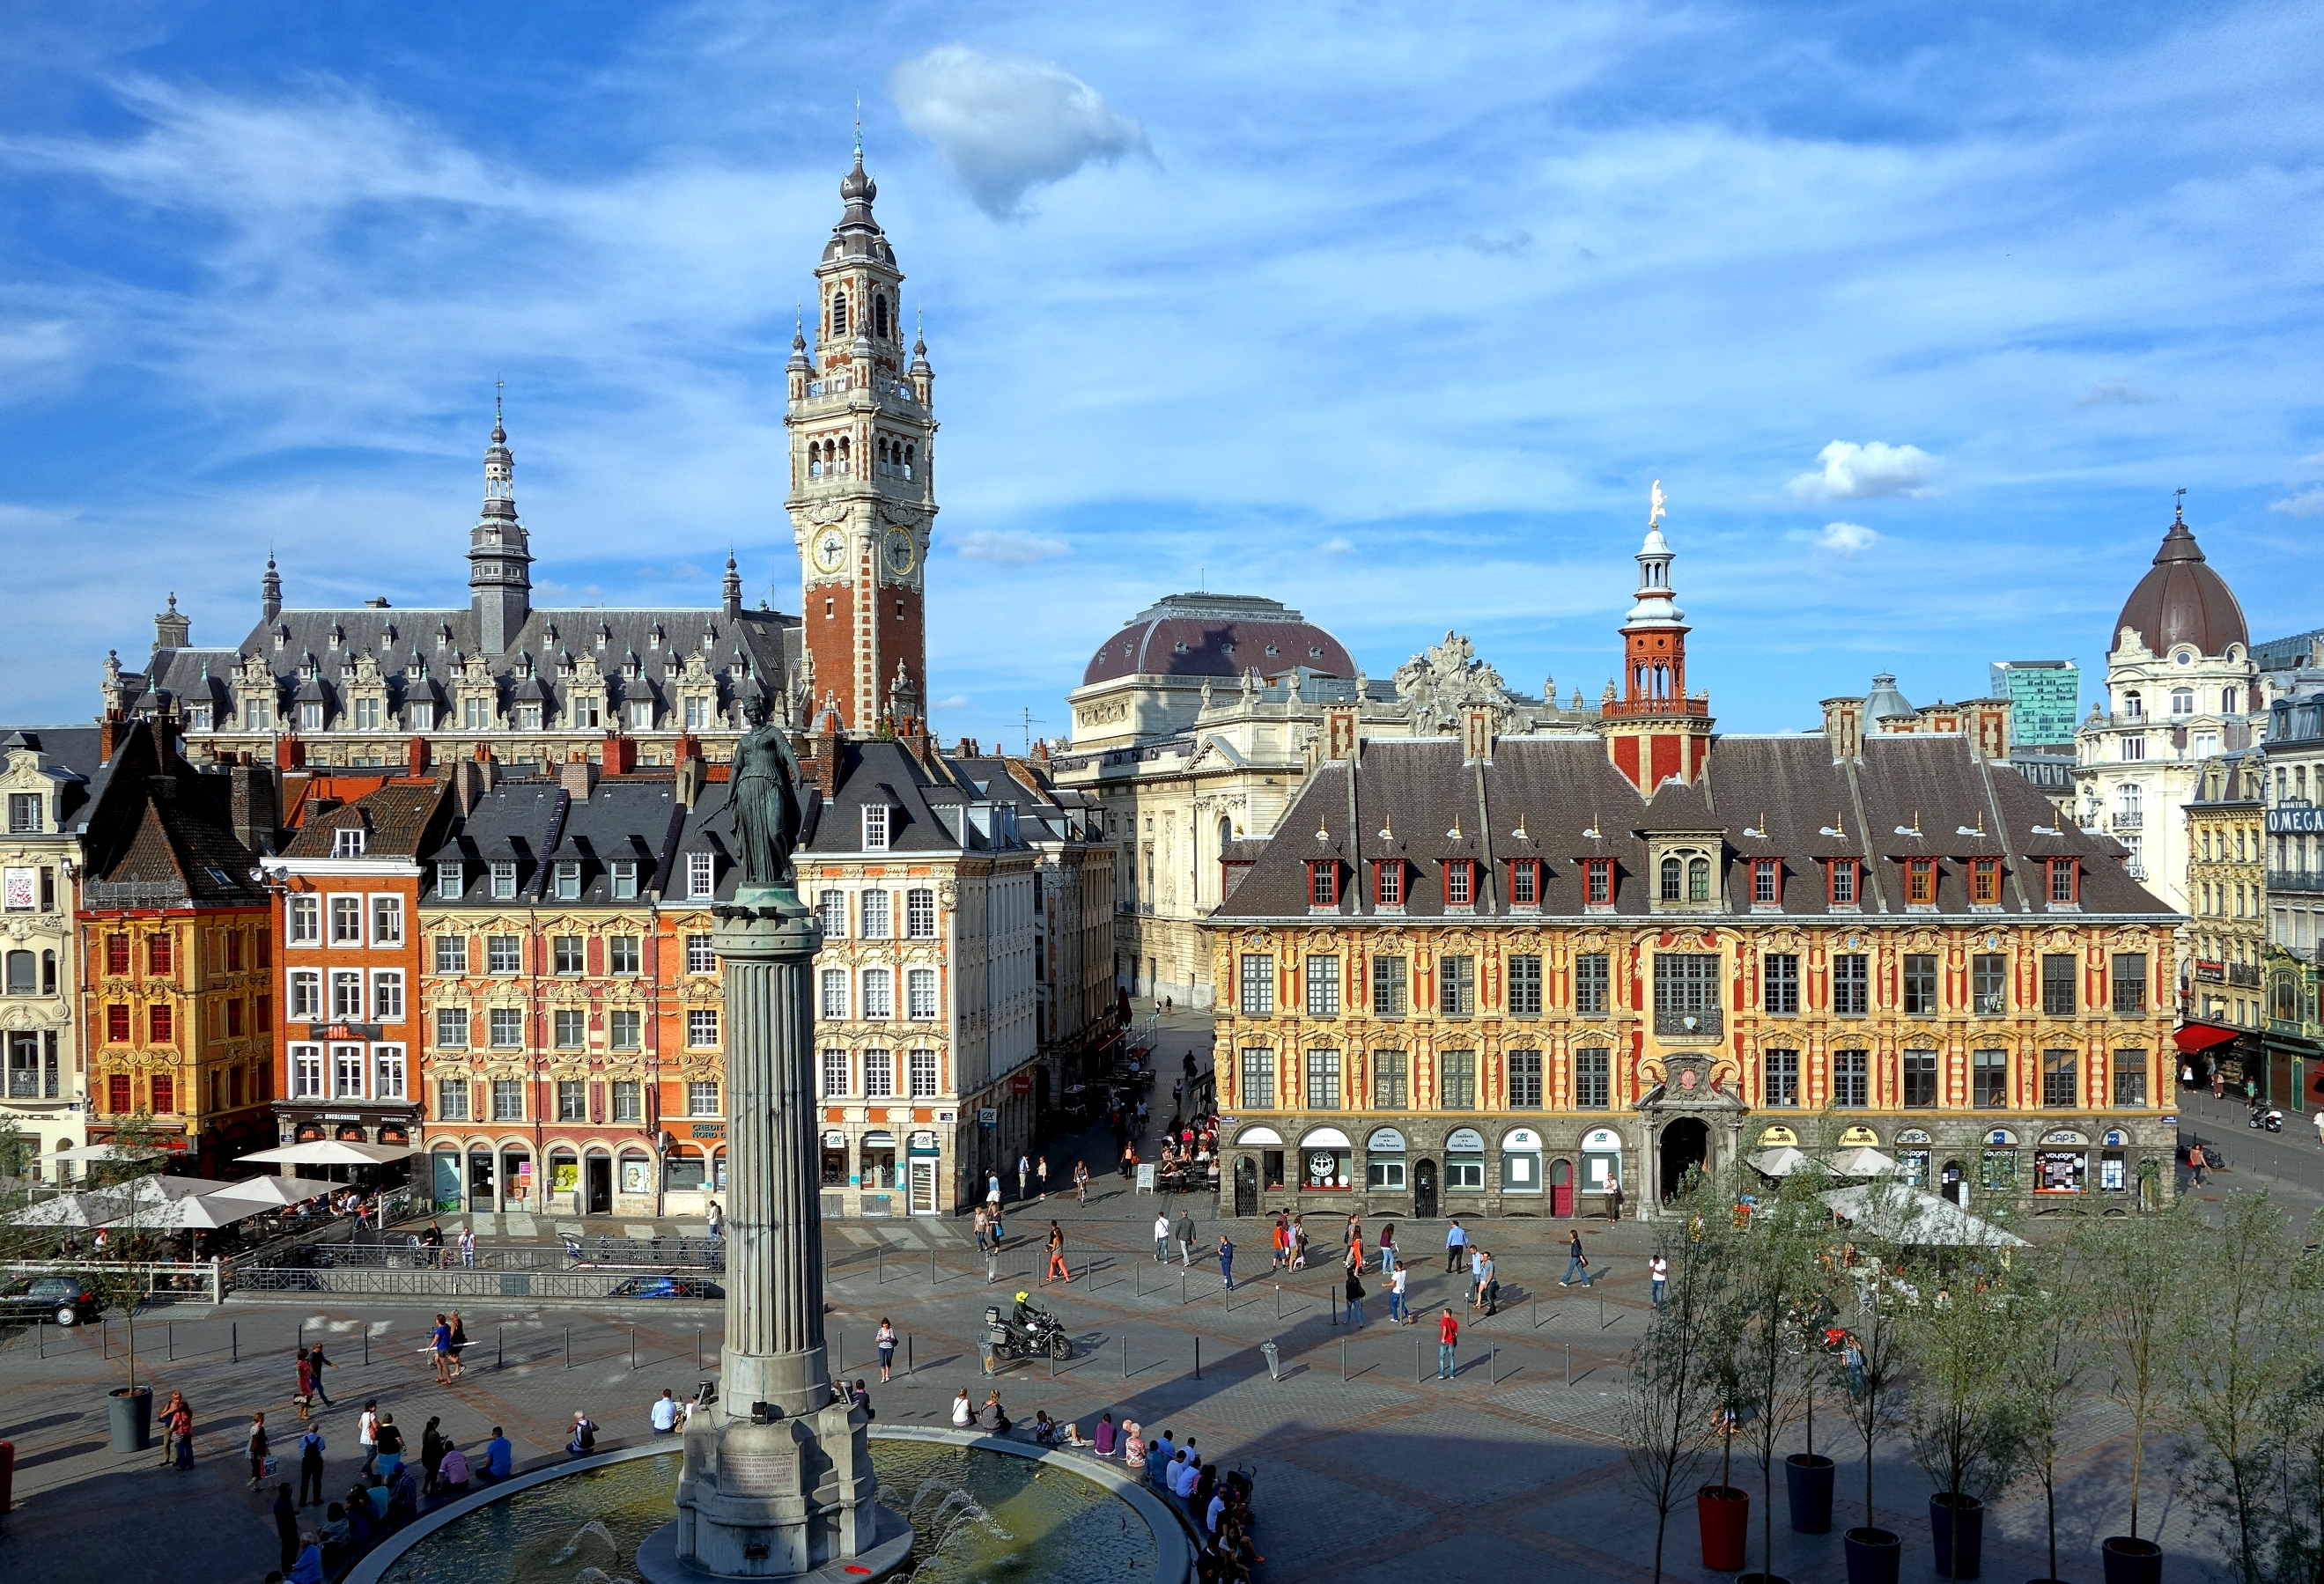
(1684, 1147)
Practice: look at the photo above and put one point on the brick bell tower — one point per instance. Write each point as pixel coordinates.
(863, 502)
(1654, 730)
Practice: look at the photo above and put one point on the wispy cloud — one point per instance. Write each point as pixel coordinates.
(1010, 547)
(1007, 123)
(2307, 502)
(1862, 472)
(1847, 540)
(2114, 393)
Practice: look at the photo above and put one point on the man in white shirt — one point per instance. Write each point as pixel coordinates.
(1024, 1171)
(1397, 1311)
(665, 1413)
(1162, 1233)
(1183, 1473)
(367, 1433)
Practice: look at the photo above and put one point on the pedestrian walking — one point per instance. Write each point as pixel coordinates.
(257, 1447)
(1397, 1314)
(664, 1414)
(1128, 1162)
(1162, 1230)
(715, 1219)
(1457, 1247)
(303, 1389)
(181, 1437)
(1279, 1240)
(391, 1448)
(286, 1525)
(1226, 1263)
(1024, 1173)
(310, 1467)
(1387, 1248)
(1613, 1198)
(2319, 1127)
(315, 1358)
(2218, 1082)
(2199, 1163)
(993, 1190)
(1577, 1264)
(1448, 1338)
(1299, 1242)
(1056, 1271)
(468, 1247)
(1081, 1181)
(439, 1340)
(166, 1416)
(367, 1434)
(1041, 1175)
(1658, 1279)
(1186, 1235)
(459, 1346)
(1355, 1257)
(1355, 1295)
(1852, 1354)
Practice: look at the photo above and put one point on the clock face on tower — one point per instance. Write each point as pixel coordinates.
(900, 551)
(830, 549)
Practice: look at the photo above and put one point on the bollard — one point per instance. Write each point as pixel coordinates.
(1493, 1366)
(105, 1336)
(40, 1337)
(499, 1347)
(1182, 1286)
(908, 1354)
(1198, 1358)
(1568, 1364)
(302, 1331)
(170, 1330)
(1415, 1359)
(633, 1346)
(1279, 1300)
(882, 1272)
(1274, 1360)
(233, 1341)
(366, 1337)
(568, 1347)
(931, 1267)
(1125, 1355)
(1344, 1360)
(698, 1347)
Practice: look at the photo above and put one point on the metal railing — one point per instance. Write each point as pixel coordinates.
(477, 1286)
(2127, 819)
(1701, 1023)
(2295, 879)
(625, 1256)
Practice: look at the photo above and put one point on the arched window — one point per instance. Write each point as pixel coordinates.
(911, 458)
(2231, 700)
(20, 974)
(846, 459)
(1698, 880)
(880, 315)
(839, 313)
(1671, 875)
(2133, 704)
(2182, 701)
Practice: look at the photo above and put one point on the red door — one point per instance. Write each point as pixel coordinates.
(1561, 1187)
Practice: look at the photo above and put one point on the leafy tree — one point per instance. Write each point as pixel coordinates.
(1673, 1370)
(16, 1149)
(2291, 1528)
(2137, 1267)
(1883, 1340)
(1968, 1432)
(2046, 1372)
(1770, 1321)
(124, 1279)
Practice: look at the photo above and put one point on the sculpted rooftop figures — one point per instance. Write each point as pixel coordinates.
(765, 800)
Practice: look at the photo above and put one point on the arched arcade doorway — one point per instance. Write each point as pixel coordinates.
(1685, 1146)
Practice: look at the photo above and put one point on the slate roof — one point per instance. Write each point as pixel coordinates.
(164, 839)
(70, 756)
(1915, 795)
(396, 821)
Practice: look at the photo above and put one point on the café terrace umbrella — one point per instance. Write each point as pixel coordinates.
(1862, 1161)
(1907, 1215)
(332, 1152)
(267, 1191)
(99, 1206)
(1781, 1161)
(205, 1212)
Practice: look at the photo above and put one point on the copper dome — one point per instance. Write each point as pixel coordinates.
(2181, 600)
(1217, 635)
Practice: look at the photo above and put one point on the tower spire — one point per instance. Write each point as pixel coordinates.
(1653, 731)
(270, 590)
(731, 590)
(500, 556)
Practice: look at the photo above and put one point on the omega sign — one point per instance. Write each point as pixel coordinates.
(2308, 822)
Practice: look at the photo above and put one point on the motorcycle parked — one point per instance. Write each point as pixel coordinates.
(2266, 1118)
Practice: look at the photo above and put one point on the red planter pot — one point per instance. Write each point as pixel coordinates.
(1724, 1513)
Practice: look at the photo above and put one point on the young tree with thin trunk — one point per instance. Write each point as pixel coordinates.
(1673, 1388)
(1771, 1312)
(2234, 1364)
(1876, 1319)
(1968, 1431)
(123, 1280)
(2137, 1271)
(2291, 1519)
(2047, 1372)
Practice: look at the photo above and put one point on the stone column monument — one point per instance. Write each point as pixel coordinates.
(777, 1480)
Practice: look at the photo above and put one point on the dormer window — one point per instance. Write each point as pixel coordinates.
(569, 880)
(197, 718)
(1387, 882)
(1459, 883)
(1598, 882)
(2134, 705)
(1919, 882)
(310, 717)
(1985, 883)
(1322, 883)
(527, 717)
(348, 841)
(875, 827)
(1841, 881)
(1525, 882)
(1766, 882)
(2065, 887)
(1683, 878)
(2182, 701)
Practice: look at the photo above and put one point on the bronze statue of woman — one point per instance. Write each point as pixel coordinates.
(764, 797)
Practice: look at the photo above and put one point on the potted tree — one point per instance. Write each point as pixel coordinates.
(123, 1280)
(1668, 1411)
(1877, 1350)
(2047, 1370)
(2137, 1267)
(1777, 1304)
(1966, 1432)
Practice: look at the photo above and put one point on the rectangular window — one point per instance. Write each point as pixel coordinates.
(347, 994)
(833, 1000)
(1989, 1080)
(879, 993)
(116, 952)
(878, 1075)
(451, 879)
(117, 1098)
(567, 879)
(1688, 999)
(1389, 1072)
(305, 1003)
(503, 878)
(2065, 880)
(1459, 883)
(2130, 1078)
(1324, 986)
(1322, 1081)
(700, 958)
(565, 955)
(1985, 883)
(625, 1028)
(1850, 1078)
(387, 1071)
(1387, 883)
(508, 1100)
(451, 953)
(566, 1024)
(1920, 1079)
(1766, 882)
(507, 1028)
(1988, 983)
(503, 954)
(2059, 1072)
(920, 1073)
(1456, 985)
(163, 1092)
(831, 914)
(920, 915)
(1593, 1079)
(452, 1028)
(836, 1070)
(1782, 1076)
(1390, 991)
(452, 1099)
(347, 1071)
(23, 813)
(701, 875)
(307, 1072)
(387, 921)
(920, 992)
(1852, 984)
(116, 1023)
(1456, 1081)
(2129, 983)
(624, 880)
(157, 955)
(1919, 882)
(623, 954)
(1593, 979)
(1525, 1081)
(875, 909)
(702, 1029)
(346, 921)
(1598, 882)
(629, 1101)
(1779, 981)
(2058, 971)
(387, 996)
(1524, 985)
(875, 827)
(1843, 882)
(572, 1105)
(1920, 983)
(1525, 882)
(1323, 884)
(1257, 1080)
(1257, 989)
(305, 926)
(702, 1098)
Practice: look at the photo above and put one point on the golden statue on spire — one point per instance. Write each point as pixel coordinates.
(1654, 505)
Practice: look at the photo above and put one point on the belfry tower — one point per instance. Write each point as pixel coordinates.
(1653, 731)
(863, 502)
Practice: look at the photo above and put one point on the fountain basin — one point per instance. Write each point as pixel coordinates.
(987, 1510)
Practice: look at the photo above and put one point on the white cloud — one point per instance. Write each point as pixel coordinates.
(1338, 544)
(2307, 502)
(1010, 547)
(1853, 472)
(955, 701)
(1845, 540)
(2114, 393)
(1008, 124)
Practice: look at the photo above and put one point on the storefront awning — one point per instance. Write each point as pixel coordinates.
(2202, 1036)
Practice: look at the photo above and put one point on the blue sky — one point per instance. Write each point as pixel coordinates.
(1392, 313)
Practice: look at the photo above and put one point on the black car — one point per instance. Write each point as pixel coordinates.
(67, 1300)
(666, 1288)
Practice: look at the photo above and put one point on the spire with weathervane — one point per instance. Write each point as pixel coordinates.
(1653, 731)
(270, 591)
(500, 558)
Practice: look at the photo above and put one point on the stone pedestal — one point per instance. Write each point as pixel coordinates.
(777, 1480)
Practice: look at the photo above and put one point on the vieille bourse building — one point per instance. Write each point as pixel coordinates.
(1508, 974)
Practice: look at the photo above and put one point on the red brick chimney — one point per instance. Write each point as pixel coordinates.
(289, 753)
(415, 756)
(108, 734)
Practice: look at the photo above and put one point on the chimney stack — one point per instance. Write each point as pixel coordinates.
(415, 756)
(577, 777)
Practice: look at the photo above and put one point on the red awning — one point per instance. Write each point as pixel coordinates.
(2202, 1036)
